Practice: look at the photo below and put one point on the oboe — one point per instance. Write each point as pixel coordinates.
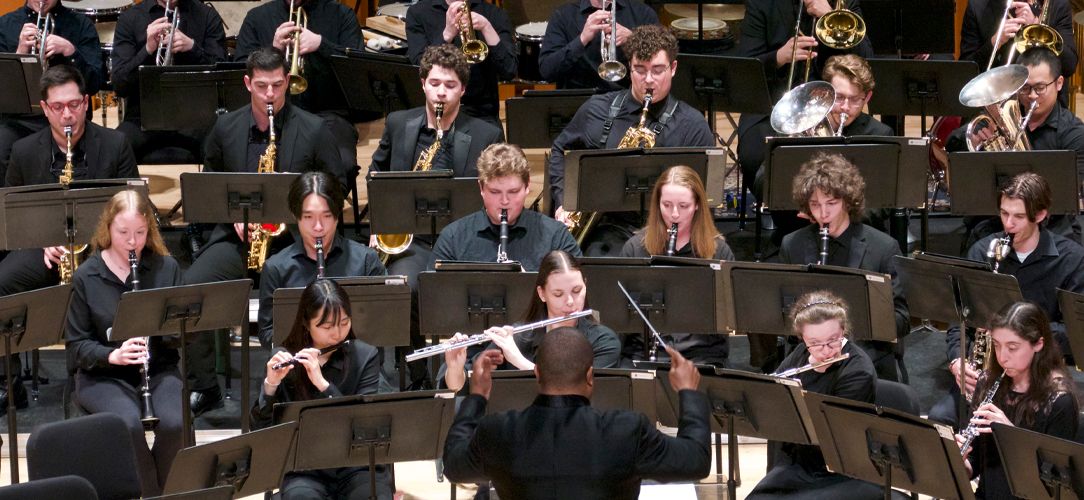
(502, 248)
(479, 338)
(319, 258)
(972, 430)
(811, 366)
(823, 261)
(149, 420)
(671, 245)
(295, 361)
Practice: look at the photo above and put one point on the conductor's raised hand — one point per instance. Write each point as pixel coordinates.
(480, 380)
(131, 352)
(683, 373)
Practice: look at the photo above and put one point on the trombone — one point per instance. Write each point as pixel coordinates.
(298, 83)
(475, 49)
(611, 69)
(164, 55)
(45, 28)
(1031, 35)
(803, 109)
(840, 28)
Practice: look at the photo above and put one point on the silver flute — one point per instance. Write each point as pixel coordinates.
(479, 338)
(657, 339)
(972, 430)
(811, 366)
(672, 242)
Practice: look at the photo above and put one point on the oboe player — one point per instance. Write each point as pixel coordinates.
(107, 377)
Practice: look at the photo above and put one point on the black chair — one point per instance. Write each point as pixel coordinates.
(66, 487)
(898, 397)
(97, 447)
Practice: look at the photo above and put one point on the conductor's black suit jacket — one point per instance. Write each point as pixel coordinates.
(108, 156)
(398, 145)
(561, 448)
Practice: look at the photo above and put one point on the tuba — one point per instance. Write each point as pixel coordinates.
(475, 49)
(840, 29)
(298, 83)
(45, 28)
(259, 239)
(611, 69)
(803, 111)
(164, 55)
(994, 91)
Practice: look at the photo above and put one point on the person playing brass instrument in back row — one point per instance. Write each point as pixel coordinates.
(107, 377)
(323, 321)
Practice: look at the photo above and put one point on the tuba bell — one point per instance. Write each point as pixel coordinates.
(803, 112)
(995, 90)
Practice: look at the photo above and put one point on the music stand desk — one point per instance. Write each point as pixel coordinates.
(616, 180)
(420, 202)
(216, 493)
(1038, 466)
(19, 77)
(248, 464)
(379, 83)
(543, 114)
(983, 172)
(189, 97)
(1072, 312)
(48, 215)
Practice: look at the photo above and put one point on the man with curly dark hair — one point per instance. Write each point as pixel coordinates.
(830, 192)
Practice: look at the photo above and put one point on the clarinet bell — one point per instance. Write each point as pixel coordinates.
(150, 422)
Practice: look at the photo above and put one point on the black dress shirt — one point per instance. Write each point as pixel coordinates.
(101, 153)
(338, 26)
(259, 139)
(352, 370)
(425, 22)
(561, 448)
(199, 21)
(443, 157)
(865, 124)
(635, 248)
(70, 25)
(475, 239)
(564, 60)
(686, 128)
(1061, 130)
(292, 268)
(94, 308)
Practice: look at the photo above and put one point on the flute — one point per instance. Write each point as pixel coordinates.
(812, 366)
(295, 361)
(479, 338)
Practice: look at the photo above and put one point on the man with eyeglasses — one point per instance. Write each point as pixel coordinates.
(852, 79)
(602, 121)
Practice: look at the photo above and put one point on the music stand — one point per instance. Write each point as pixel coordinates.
(755, 297)
(189, 97)
(720, 83)
(543, 115)
(218, 493)
(248, 464)
(923, 88)
(897, 27)
(983, 172)
(19, 77)
(938, 289)
(614, 389)
(384, 429)
(1038, 466)
(49, 215)
(867, 442)
(380, 83)
(419, 202)
(178, 310)
(28, 321)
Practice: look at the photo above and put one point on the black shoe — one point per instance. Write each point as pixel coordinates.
(22, 402)
(206, 400)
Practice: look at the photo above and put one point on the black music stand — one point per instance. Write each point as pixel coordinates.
(946, 290)
(383, 429)
(910, 27)
(177, 310)
(868, 442)
(614, 389)
(1038, 466)
(542, 115)
(755, 297)
(1072, 313)
(218, 493)
(189, 97)
(982, 172)
(378, 82)
(53, 215)
(721, 83)
(618, 180)
(248, 464)
(28, 321)
(419, 202)
(19, 77)
(923, 88)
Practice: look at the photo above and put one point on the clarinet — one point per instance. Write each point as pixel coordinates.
(319, 258)
(972, 430)
(823, 261)
(671, 245)
(149, 420)
(502, 249)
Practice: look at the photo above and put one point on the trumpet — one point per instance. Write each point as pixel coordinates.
(502, 247)
(295, 361)
(671, 243)
(611, 69)
(475, 49)
(147, 411)
(840, 29)
(66, 176)
(45, 28)
(972, 430)
(480, 338)
(298, 83)
(164, 55)
(811, 366)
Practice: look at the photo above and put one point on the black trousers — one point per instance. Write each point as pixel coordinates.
(23, 271)
(751, 151)
(145, 141)
(221, 261)
(112, 395)
(344, 483)
(14, 128)
(410, 263)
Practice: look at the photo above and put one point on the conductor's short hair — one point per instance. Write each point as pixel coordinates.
(563, 358)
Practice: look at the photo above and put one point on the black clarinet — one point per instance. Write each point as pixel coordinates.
(502, 249)
(671, 245)
(319, 258)
(823, 261)
(149, 420)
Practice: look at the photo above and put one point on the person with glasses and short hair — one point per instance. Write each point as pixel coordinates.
(852, 78)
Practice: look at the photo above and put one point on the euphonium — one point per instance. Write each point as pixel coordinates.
(840, 29)
(972, 430)
(259, 239)
(66, 176)
(611, 69)
(298, 83)
(994, 90)
(475, 49)
(164, 55)
(45, 28)
(147, 412)
(803, 111)
(1039, 34)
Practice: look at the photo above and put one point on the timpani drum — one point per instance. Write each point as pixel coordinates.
(530, 44)
(398, 10)
(100, 10)
(687, 28)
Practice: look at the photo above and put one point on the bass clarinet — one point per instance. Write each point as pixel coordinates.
(147, 417)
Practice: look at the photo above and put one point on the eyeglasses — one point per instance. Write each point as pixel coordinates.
(832, 344)
(58, 107)
(1039, 89)
(656, 71)
(853, 101)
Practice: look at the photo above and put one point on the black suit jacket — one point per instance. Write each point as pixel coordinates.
(108, 156)
(561, 448)
(400, 140)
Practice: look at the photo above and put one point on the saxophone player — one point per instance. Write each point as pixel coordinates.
(236, 143)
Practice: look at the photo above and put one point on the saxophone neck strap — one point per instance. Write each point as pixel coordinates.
(615, 109)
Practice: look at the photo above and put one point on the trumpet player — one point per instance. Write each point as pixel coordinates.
(437, 22)
(107, 373)
(73, 41)
(572, 47)
(603, 121)
(141, 37)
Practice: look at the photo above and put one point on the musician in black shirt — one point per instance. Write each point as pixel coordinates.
(73, 42)
(571, 49)
(436, 22)
(200, 39)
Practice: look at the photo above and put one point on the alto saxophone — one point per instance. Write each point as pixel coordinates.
(425, 160)
(260, 238)
(66, 177)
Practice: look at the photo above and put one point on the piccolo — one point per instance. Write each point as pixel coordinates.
(325, 350)
(812, 366)
(479, 338)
